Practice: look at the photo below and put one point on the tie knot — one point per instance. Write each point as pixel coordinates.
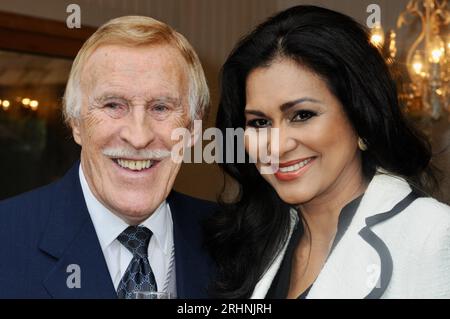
(136, 239)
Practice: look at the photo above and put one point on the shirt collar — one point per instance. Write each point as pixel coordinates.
(108, 225)
(160, 223)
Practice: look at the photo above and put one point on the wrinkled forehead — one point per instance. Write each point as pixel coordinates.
(134, 69)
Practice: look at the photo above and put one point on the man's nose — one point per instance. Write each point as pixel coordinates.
(137, 130)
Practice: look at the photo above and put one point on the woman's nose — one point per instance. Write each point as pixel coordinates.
(281, 142)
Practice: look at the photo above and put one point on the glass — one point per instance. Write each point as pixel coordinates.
(152, 295)
(35, 148)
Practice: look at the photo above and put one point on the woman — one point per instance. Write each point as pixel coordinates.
(341, 217)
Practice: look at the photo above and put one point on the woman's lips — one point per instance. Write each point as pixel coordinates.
(293, 169)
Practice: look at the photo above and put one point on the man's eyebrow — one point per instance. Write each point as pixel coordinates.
(110, 95)
(169, 99)
(286, 106)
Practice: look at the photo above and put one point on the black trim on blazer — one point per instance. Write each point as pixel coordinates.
(373, 240)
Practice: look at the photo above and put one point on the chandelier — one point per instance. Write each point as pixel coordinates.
(425, 91)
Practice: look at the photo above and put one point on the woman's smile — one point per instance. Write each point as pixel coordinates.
(293, 169)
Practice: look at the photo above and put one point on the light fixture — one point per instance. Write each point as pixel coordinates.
(377, 35)
(34, 105)
(417, 65)
(6, 104)
(26, 101)
(427, 91)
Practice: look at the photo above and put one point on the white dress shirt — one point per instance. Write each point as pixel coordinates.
(160, 249)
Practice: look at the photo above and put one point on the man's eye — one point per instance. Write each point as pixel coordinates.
(115, 110)
(258, 123)
(113, 106)
(160, 108)
(303, 115)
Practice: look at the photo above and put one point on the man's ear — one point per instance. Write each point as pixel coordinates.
(75, 125)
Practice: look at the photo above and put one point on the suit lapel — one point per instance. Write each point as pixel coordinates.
(80, 269)
(192, 264)
(360, 264)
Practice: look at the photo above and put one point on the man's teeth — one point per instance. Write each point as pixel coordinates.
(135, 165)
(295, 166)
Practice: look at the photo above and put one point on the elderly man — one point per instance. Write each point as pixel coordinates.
(113, 225)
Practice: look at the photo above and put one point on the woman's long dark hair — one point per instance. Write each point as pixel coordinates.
(246, 234)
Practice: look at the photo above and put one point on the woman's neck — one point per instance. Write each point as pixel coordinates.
(321, 214)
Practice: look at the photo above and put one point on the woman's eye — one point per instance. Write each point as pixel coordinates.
(303, 115)
(258, 123)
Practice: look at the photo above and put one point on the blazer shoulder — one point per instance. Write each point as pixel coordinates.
(434, 265)
(438, 213)
(31, 202)
(28, 215)
(425, 219)
(42, 198)
(201, 206)
(428, 208)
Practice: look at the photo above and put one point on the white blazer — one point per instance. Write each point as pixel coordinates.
(387, 251)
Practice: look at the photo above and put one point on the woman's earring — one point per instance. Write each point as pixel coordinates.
(361, 144)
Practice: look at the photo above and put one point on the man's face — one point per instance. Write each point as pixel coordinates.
(132, 99)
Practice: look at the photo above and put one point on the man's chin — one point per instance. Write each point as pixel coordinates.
(134, 216)
(135, 211)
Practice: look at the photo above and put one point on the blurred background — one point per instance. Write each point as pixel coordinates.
(37, 48)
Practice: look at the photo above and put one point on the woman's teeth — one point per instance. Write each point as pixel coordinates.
(134, 165)
(295, 166)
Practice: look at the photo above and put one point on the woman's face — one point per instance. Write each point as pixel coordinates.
(318, 152)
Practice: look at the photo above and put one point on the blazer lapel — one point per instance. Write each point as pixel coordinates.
(80, 269)
(193, 267)
(360, 265)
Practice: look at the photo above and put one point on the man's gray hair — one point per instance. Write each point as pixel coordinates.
(136, 31)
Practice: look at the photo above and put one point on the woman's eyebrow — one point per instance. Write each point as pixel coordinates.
(286, 106)
(255, 112)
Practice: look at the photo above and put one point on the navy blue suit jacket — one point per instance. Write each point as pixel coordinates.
(46, 230)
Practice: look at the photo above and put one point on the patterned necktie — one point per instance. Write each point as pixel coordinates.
(139, 275)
